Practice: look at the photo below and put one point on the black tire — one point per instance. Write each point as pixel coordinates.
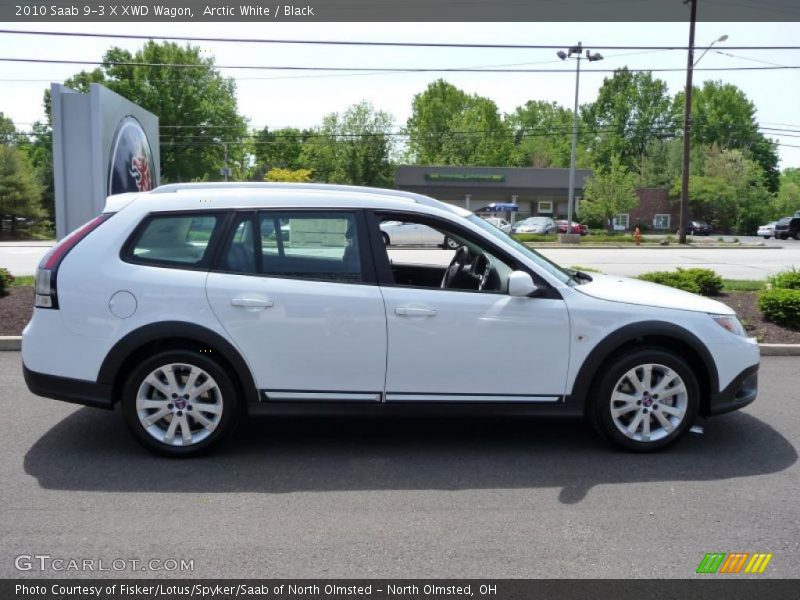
(450, 243)
(385, 238)
(784, 236)
(227, 398)
(600, 405)
(796, 236)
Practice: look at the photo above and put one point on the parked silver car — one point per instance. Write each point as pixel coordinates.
(542, 225)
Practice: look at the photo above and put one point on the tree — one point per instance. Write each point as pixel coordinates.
(723, 115)
(294, 176)
(281, 148)
(631, 111)
(354, 147)
(609, 192)
(196, 106)
(543, 135)
(8, 132)
(20, 191)
(787, 201)
(450, 127)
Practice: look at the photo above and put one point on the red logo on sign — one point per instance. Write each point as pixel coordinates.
(140, 171)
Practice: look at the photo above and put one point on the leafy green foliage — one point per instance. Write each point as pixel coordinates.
(20, 191)
(289, 175)
(196, 106)
(608, 192)
(698, 281)
(631, 110)
(281, 148)
(543, 135)
(781, 306)
(450, 127)
(352, 148)
(786, 280)
(6, 281)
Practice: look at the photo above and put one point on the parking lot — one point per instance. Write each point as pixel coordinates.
(372, 498)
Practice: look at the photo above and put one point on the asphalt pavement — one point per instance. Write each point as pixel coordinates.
(407, 498)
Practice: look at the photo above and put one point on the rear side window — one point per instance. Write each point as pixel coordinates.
(174, 240)
(305, 245)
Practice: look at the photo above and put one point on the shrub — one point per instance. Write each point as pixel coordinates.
(781, 306)
(6, 279)
(697, 281)
(787, 280)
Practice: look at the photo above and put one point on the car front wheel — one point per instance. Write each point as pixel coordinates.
(645, 400)
(179, 402)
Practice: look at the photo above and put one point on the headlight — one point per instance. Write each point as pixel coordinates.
(731, 323)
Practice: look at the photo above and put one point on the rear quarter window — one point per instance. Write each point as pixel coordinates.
(174, 240)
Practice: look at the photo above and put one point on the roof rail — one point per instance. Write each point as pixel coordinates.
(220, 185)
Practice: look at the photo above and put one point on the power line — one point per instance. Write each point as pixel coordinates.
(366, 42)
(374, 69)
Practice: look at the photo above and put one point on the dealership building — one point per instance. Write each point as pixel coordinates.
(534, 191)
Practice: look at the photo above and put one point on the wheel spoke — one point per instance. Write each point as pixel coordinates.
(646, 428)
(672, 410)
(214, 409)
(669, 377)
(155, 417)
(669, 392)
(191, 380)
(664, 421)
(153, 381)
(618, 411)
(633, 426)
(186, 431)
(633, 377)
(647, 377)
(169, 373)
(144, 403)
(169, 436)
(203, 420)
(202, 389)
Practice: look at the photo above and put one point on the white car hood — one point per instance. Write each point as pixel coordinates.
(644, 293)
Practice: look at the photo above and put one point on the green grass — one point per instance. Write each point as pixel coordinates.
(23, 281)
(742, 285)
(585, 269)
(626, 239)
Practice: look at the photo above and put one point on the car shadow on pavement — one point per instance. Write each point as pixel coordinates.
(91, 450)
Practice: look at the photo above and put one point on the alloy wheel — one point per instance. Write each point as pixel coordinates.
(179, 404)
(649, 402)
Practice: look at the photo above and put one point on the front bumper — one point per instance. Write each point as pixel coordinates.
(77, 391)
(739, 393)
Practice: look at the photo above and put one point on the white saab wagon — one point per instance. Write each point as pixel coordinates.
(195, 305)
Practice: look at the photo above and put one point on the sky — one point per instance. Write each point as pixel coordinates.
(279, 99)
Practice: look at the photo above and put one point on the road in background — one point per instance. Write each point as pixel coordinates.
(399, 498)
(21, 258)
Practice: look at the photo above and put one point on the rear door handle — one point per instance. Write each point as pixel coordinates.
(252, 303)
(414, 311)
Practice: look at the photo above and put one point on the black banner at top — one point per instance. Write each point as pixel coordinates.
(394, 10)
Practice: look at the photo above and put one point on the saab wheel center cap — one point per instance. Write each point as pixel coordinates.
(180, 404)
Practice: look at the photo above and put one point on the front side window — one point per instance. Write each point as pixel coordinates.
(175, 239)
(306, 245)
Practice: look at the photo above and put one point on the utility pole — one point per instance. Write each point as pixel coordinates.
(687, 126)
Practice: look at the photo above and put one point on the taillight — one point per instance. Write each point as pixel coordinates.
(46, 295)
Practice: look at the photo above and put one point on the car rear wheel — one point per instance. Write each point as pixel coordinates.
(179, 403)
(645, 400)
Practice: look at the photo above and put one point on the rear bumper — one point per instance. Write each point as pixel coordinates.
(77, 391)
(739, 393)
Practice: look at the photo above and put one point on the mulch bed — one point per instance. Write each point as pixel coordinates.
(746, 306)
(16, 308)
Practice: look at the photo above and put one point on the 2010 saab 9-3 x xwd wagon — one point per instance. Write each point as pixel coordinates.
(193, 305)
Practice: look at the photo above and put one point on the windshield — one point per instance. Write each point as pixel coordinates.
(552, 268)
(534, 220)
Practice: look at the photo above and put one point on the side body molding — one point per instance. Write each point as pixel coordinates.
(172, 330)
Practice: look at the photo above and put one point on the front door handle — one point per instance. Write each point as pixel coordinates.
(252, 303)
(414, 311)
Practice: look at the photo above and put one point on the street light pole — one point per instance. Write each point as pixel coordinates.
(563, 55)
(574, 154)
(687, 126)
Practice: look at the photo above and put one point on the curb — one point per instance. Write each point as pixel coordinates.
(14, 343)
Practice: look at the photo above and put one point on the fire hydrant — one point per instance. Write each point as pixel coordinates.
(637, 236)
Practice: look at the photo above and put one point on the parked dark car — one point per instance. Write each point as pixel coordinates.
(698, 228)
(788, 227)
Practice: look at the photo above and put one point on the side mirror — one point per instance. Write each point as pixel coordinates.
(520, 283)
